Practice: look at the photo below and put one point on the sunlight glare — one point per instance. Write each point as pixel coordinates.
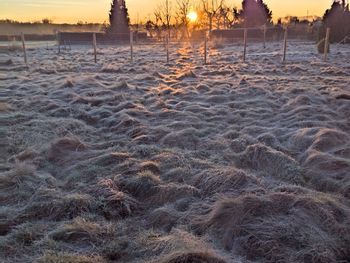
(192, 16)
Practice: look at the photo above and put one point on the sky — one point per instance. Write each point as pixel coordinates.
(72, 11)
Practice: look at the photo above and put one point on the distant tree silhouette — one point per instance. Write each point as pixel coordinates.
(150, 26)
(119, 19)
(337, 18)
(253, 13)
(224, 16)
(211, 10)
(46, 21)
(163, 15)
(183, 8)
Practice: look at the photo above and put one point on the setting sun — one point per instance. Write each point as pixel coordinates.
(192, 16)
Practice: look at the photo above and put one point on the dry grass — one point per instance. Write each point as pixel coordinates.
(80, 230)
(113, 203)
(181, 246)
(163, 218)
(53, 205)
(220, 181)
(184, 139)
(52, 257)
(171, 192)
(26, 234)
(142, 186)
(113, 158)
(61, 148)
(19, 175)
(21, 182)
(120, 249)
(193, 257)
(150, 166)
(282, 227)
(321, 46)
(22, 239)
(270, 162)
(227, 162)
(4, 107)
(329, 139)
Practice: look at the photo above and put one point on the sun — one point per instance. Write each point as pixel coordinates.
(192, 16)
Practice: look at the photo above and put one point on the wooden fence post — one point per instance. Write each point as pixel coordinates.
(132, 46)
(265, 36)
(245, 44)
(326, 44)
(205, 48)
(24, 49)
(167, 49)
(94, 45)
(285, 45)
(58, 37)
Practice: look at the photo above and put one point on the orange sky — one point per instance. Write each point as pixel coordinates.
(72, 11)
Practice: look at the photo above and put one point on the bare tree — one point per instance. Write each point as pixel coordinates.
(211, 9)
(150, 26)
(163, 15)
(158, 17)
(224, 16)
(183, 8)
(166, 12)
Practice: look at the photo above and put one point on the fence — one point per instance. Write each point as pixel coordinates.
(97, 41)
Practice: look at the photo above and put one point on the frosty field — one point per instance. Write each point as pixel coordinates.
(179, 162)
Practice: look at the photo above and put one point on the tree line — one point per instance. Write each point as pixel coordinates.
(218, 14)
(337, 18)
(212, 14)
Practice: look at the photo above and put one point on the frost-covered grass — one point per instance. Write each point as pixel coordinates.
(178, 162)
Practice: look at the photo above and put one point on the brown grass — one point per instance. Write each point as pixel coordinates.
(113, 203)
(164, 218)
(184, 139)
(171, 192)
(270, 162)
(52, 257)
(53, 205)
(22, 238)
(21, 182)
(150, 166)
(61, 148)
(321, 46)
(220, 181)
(80, 230)
(282, 227)
(193, 257)
(226, 162)
(4, 107)
(143, 185)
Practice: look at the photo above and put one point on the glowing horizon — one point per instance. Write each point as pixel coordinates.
(72, 11)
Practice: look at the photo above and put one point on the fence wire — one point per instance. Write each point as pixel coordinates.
(206, 49)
